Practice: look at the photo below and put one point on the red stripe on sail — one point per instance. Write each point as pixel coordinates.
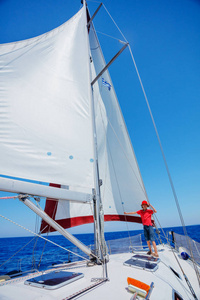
(123, 218)
(72, 222)
(50, 209)
(68, 223)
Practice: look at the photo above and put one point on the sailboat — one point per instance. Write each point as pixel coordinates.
(63, 137)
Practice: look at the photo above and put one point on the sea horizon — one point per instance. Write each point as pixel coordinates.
(52, 234)
(113, 231)
(24, 253)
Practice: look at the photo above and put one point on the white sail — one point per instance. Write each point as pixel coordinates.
(45, 97)
(122, 187)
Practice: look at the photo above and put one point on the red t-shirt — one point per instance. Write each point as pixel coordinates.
(146, 216)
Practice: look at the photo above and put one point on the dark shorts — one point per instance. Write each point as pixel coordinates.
(149, 233)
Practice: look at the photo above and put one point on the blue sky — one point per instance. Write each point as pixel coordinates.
(165, 40)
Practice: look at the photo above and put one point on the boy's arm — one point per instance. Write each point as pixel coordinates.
(130, 213)
(154, 210)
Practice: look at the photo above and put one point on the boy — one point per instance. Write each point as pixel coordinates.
(147, 223)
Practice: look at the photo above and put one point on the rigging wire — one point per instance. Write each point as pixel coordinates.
(177, 280)
(35, 237)
(115, 23)
(36, 240)
(42, 249)
(166, 166)
(37, 199)
(17, 252)
(49, 228)
(36, 234)
(110, 36)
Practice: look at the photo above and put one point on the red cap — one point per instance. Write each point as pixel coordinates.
(144, 202)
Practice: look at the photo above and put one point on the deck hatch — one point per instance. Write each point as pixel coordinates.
(141, 264)
(54, 280)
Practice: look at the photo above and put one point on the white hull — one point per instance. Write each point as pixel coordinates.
(165, 281)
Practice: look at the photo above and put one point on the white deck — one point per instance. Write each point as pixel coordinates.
(116, 288)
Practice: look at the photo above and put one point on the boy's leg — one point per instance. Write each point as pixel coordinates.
(155, 248)
(146, 235)
(152, 239)
(149, 245)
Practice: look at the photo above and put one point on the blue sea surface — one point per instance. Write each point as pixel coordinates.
(26, 253)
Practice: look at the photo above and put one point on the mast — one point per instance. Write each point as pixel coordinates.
(97, 203)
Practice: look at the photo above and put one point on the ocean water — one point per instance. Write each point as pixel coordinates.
(26, 253)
